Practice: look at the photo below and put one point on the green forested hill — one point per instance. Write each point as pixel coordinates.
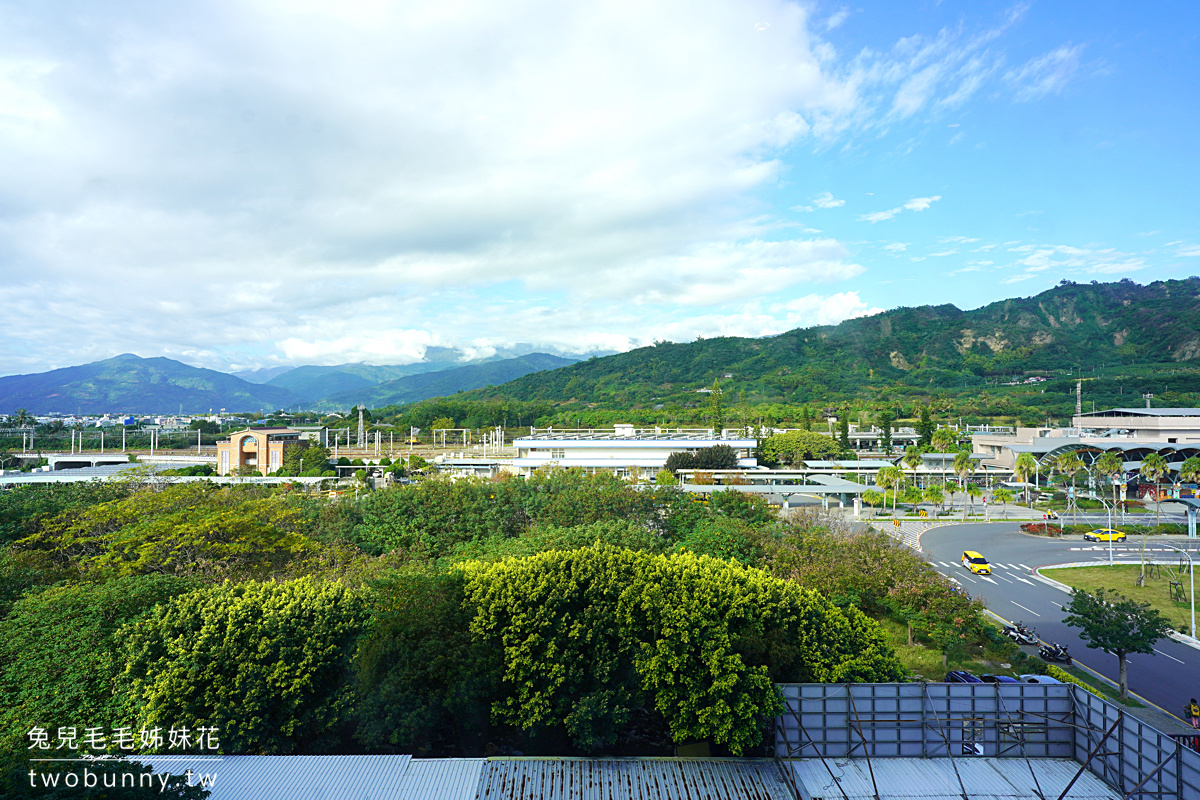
(129, 383)
(1088, 326)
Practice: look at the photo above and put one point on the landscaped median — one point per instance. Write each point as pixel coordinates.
(1062, 528)
(1122, 578)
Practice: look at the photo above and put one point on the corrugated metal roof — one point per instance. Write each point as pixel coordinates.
(632, 779)
(293, 777)
(934, 778)
(441, 779)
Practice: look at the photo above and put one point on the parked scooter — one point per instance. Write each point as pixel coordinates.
(1055, 652)
(1020, 634)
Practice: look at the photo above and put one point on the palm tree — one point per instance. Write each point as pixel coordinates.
(973, 491)
(944, 440)
(1003, 497)
(873, 498)
(964, 468)
(912, 459)
(1110, 465)
(23, 419)
(1189, 470)
(1154, 467)
(1026, 468)
(1070, 464)
(935, 494)
(889, 478)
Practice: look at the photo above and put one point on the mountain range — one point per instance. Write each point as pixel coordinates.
(929, 347)
(925, 348)
(130, 384)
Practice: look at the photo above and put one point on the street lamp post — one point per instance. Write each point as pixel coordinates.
(1108, 509)
(1191, 579)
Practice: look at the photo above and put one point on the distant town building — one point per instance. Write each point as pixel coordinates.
(620, 449)
(1132, 433)
(263, 449)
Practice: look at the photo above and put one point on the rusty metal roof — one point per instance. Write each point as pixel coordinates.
(632, 779)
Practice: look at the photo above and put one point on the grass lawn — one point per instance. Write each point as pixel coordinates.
(1121, 578)
(925, 663)
(1101, 686)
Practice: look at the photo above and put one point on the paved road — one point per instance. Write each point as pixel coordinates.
(1168, 678)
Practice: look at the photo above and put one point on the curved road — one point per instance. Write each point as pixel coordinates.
(1167, 678)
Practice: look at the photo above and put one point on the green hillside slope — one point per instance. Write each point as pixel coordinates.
(930, 347)
(127, 383)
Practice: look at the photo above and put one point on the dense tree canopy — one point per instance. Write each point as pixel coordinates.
(266, 663)
(564, 613)
(590, 635)
(795, 447)
(58, 660)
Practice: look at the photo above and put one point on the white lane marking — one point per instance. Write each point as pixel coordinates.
(1060, 605)
(1022, 580)
(1030, 610)
(1001, 577)
(947, 566)
(1173, 658)
(1022, 566)
(989, 580)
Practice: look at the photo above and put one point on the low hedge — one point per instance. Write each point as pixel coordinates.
(1060, 674)
(1056, 529)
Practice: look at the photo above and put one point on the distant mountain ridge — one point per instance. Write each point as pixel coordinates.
(129, 383)
(411, 388)
(1096, 324)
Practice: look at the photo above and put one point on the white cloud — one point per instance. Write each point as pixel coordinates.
(268, 179)
(1032, 260)
(1189, 251)
(896, 247)
(835, 19)
(921, 203)
(957, 239)
(823, 200)
(915, 204)
(880, 216)
(1046, 74)
(827, 200)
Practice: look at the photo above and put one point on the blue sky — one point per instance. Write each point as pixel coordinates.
(266, 182)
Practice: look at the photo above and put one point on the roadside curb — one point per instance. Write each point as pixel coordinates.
(1097, 675)
(1182, 638)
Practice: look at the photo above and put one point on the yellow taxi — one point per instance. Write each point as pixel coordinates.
(1104, 535)
(976, 563)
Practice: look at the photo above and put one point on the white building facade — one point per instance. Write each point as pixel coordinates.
(621, 449)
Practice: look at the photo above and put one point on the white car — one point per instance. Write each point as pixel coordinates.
(1039, 679)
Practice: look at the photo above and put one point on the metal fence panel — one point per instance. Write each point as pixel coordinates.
(971, 721)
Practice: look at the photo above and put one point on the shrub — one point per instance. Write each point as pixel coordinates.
(267, 663)
(1060, 674)
(590, 636)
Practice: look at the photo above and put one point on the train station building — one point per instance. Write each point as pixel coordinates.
(261, 449)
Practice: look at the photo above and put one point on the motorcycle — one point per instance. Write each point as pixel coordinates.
(1020, 634)
(1055, 652)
